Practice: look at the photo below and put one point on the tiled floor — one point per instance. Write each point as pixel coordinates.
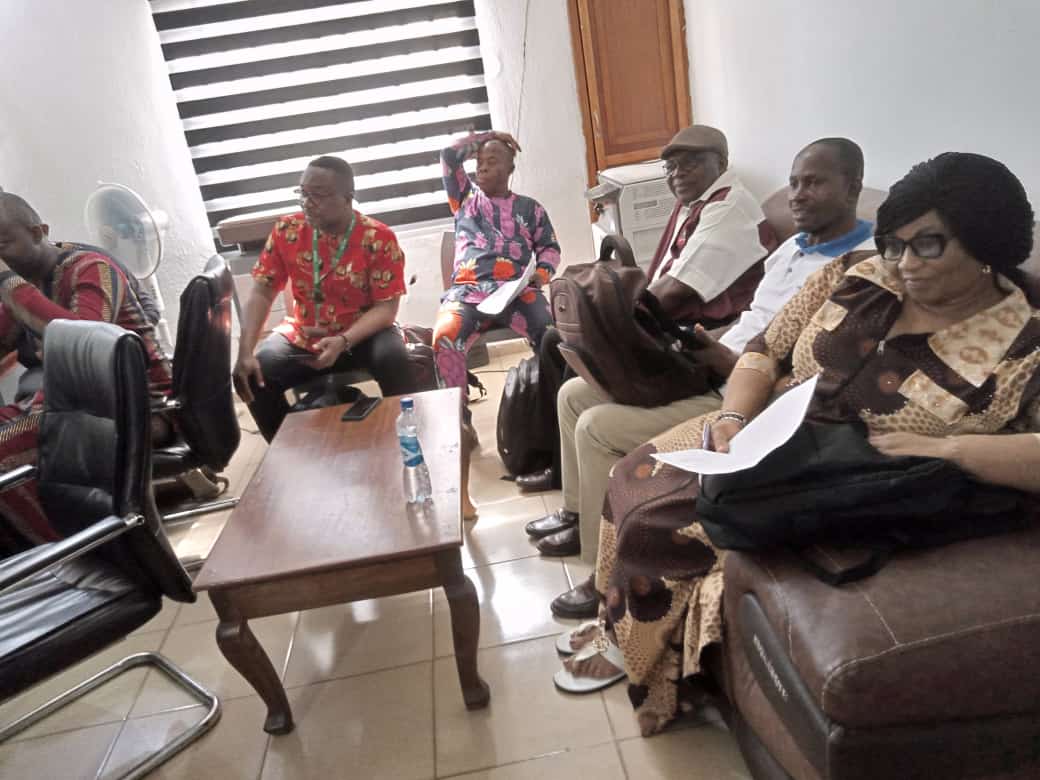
(372, 684)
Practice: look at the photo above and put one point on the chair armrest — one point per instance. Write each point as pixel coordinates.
(20, 568)
(16, 476)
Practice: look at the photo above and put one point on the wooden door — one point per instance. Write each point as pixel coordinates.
(630, 58)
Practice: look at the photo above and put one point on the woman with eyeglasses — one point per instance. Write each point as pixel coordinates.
(933, 344)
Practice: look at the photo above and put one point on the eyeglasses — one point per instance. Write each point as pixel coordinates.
(686, 163)
(303, 195)
(927, 246)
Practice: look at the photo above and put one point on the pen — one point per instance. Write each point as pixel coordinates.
(705, 445)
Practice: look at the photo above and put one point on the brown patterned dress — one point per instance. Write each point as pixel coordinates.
(661, 577)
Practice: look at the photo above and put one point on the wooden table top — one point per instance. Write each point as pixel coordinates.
(329, 494)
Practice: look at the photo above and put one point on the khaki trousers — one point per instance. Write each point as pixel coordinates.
(596, 433)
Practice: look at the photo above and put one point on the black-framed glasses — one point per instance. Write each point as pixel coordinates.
(926, 246)
(303, 195)
(686, 163)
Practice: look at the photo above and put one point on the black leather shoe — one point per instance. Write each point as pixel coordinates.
(560, 520)
(566, 542)
(579, 602)
(536, 481)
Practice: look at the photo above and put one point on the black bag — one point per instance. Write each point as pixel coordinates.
(525, 442)
(617, 338)
(828, 484)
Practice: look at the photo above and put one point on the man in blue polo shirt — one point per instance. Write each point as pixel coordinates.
(824, 187)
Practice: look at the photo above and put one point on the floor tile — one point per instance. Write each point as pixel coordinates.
(163, 620)
(200, 612)
(231, 750)
(498, 534)
(364, 636)
(376, 726)
(193, 541)
(601, 762)
(73, 755)
(194, 649)
(106, 704)
(486, 485)
(706, 753)
(527, 717)
(514, 603)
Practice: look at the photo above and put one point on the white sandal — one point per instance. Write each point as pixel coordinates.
(568, 682)
(563, 641)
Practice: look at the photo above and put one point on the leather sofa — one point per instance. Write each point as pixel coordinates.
(928, 669)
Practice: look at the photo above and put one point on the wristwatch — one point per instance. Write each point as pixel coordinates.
(347, 346)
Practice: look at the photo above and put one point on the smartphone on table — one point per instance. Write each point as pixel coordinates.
(360, 409)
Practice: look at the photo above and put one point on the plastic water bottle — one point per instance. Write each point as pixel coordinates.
(416, 475)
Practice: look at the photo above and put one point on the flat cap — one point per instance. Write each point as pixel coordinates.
(695, 138)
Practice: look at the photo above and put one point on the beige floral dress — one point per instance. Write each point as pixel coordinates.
(660, 576)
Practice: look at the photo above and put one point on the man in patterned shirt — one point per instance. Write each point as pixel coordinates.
(497, 232)
(42, 281)
(346, 274)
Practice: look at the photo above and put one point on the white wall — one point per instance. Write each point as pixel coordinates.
(85, 97)
(906, 79)
(551, 167)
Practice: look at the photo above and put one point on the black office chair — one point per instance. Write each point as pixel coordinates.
(65, 601)
(202, 404)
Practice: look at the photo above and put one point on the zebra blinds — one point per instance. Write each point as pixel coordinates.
(263, 86)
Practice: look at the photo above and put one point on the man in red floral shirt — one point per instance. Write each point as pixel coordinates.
(42, 281)
(346, 274)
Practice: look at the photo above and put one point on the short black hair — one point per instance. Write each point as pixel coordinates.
(16, 209)
(509, 149)
(340, 167)
(850, 156)
(983, 204)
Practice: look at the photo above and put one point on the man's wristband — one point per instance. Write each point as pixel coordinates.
(346, 342)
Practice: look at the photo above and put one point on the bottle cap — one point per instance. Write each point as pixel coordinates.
(407, 403)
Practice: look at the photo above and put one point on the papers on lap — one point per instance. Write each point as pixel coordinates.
(504, 295)
(774, 426)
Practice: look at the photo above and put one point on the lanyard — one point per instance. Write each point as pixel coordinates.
(316, 294)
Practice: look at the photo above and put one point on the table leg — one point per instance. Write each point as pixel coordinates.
(242, 650)
(465, 627)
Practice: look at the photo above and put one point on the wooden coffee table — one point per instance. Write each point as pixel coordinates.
(324, 521)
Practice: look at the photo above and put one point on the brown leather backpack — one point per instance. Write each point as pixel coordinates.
(615, 335)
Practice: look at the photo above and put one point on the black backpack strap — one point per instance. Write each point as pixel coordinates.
(473, 381)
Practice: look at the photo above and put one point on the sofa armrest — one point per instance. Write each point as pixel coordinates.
(19, 568)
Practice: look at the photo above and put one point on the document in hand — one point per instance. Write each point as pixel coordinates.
(774, 426)
(504, 295)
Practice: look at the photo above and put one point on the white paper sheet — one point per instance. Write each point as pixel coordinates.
(774, 426)
(504, 295)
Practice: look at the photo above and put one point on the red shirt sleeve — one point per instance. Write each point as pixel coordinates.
(385, 268)
(270, 269)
